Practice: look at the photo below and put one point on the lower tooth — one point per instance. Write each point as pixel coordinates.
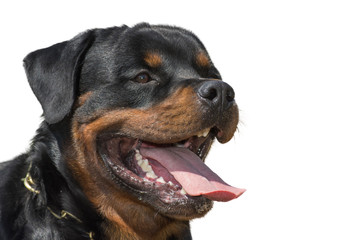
(161, 180)
(183, 191)
(145, 166)
(151, 175)
(138, 156)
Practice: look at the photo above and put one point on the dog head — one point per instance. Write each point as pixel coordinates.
(144, 105)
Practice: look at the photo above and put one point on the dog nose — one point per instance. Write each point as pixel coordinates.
(217, 93)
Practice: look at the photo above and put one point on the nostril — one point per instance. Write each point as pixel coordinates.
(229, 99)
(230, 95)
(209, 93)
(212, 94)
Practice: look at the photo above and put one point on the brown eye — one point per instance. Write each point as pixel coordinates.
(142, 78)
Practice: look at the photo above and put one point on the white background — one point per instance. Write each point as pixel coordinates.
(295, 67)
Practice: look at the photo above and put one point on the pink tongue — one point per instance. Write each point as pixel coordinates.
(194, 176)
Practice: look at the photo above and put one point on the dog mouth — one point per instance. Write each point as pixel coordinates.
(173, 172)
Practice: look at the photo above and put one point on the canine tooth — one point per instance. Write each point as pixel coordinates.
(204, 133)
(183, 191)
(161, 180)
(151, 174)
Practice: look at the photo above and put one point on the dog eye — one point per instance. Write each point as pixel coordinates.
(142, 78)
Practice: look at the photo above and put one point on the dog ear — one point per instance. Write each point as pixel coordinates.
(53, 74)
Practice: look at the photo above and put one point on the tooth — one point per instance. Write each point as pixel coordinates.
(139, 162)
(138, 156)
(161, 180)
(170, 183)
(151, 174)
(145, 166)
(204, 133)
(183, 191)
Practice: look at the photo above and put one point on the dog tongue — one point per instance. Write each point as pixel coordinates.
(194, 176)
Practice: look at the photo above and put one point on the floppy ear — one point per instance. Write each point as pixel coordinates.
(53, 75)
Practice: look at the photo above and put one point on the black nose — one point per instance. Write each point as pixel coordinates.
(217, 93)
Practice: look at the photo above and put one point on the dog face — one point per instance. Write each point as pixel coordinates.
(145, 105)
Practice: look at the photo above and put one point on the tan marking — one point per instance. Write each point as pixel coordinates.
(82, 99)
(203, 60)
(153, 59)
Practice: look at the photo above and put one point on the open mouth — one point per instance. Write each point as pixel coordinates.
(173, 172)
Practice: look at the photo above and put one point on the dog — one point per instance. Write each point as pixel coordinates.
(130, 114)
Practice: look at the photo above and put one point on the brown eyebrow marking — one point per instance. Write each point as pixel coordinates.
(203, 60)
(153, 59)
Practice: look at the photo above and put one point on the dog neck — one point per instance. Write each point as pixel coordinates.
(52, 188)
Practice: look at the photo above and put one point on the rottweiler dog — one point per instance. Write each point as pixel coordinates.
(130, 114)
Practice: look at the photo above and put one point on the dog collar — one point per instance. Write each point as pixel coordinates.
(30, 185)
